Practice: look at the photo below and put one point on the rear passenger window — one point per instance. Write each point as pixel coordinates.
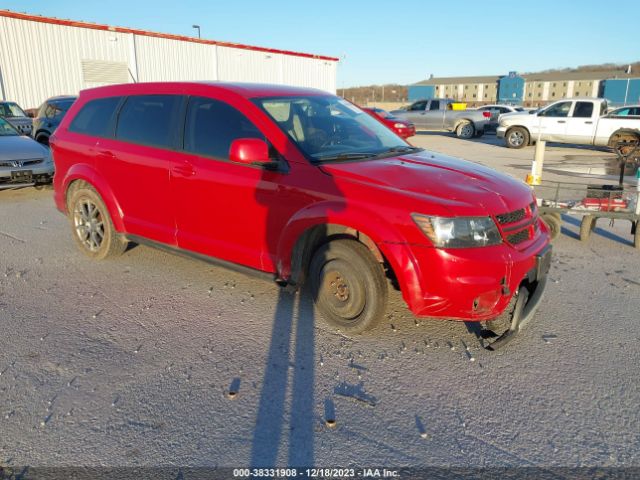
(583, 110)
(95, 117)
(212, 125)
(149, 120)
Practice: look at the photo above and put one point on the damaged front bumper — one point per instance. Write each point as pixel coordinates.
(529, 296)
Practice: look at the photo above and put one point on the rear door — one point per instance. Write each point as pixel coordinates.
(581, 126)
(136, 164)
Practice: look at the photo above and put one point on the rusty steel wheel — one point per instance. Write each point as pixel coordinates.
(348, 285)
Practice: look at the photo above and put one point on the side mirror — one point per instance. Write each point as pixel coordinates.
(249, 151)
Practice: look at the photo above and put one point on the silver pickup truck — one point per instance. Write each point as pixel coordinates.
(436, 114)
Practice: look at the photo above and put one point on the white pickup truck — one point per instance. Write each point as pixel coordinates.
(579, 121)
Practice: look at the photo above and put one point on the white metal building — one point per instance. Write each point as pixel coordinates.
(41, 57)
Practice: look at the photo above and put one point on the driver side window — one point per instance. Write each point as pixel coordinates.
(558, 110)
(418, 106)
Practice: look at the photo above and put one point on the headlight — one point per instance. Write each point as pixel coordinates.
(399, 125)
(459, 232)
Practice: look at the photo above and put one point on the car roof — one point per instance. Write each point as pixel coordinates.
(247, 90)
(61, 97)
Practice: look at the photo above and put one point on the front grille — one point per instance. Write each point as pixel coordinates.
(519, 237)
(511, 217)
(20, 163)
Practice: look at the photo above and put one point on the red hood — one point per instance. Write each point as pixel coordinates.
(461, 187)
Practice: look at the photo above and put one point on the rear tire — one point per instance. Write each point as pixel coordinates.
(91, 225)
(348, 285)
(517, 137)
(586, 226)
(465, 130)
(42, 138)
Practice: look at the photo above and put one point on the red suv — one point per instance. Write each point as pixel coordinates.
(304, 186)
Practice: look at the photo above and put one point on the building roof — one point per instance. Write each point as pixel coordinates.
(531, 77)
(183, 38)
(456, 80)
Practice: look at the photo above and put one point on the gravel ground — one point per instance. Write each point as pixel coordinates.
(155, 359)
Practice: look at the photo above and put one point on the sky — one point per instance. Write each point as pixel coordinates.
(382, 42)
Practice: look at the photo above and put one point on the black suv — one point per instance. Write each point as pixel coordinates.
(49, 116)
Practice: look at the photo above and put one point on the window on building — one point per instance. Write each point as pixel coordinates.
(96, 117)
(553, 94)
(577, 94)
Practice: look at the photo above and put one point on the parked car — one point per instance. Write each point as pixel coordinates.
(578, 121)
(402, 128)
(496, 111)
(436, 114)
(303, 186)
(22, 160)
(49, 115)
(628, 111)
(17, 117)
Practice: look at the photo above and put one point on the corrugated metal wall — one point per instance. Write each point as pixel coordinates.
(40, 60)
(163, 59)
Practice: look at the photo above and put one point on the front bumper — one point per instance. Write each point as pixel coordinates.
(40, 173)
(501, 131)
(474, 284)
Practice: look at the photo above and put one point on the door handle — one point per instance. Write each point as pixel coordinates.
(106, 154)
(562, 121)
(185, 169)
(589, 122)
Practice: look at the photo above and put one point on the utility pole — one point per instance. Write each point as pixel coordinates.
(198, 28)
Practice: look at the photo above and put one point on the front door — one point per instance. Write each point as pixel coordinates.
(222, 208)
(552, 122)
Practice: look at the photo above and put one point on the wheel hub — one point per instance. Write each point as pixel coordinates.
(339, 288)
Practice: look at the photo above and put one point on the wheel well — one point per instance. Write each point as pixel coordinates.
(518, 126)
(316, 236)
(460, 121)
(72, 187)
(624, 135)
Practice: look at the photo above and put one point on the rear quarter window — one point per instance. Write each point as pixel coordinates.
(96, 117)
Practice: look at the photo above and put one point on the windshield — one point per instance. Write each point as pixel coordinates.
(9, 110)
(64, 105)
(330, 128)
(519, 109)
(6, 130)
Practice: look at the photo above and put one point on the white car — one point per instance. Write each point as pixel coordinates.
(579, 121)
(497, 111)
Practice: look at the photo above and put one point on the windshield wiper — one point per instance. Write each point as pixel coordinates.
(400, 149)
(346, 156)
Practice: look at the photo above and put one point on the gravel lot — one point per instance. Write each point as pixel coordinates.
(131, 361)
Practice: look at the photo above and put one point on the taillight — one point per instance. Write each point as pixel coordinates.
(486, 114)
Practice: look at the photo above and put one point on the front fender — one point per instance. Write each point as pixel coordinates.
(395, 249)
